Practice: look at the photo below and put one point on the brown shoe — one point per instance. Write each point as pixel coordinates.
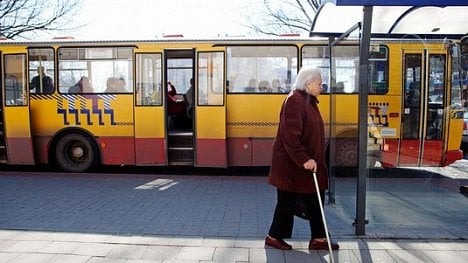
(277, 243)
(322, 245)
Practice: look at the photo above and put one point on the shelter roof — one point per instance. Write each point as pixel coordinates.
(394, 20)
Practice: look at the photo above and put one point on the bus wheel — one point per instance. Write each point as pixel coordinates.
(346, 158)
(75, 153)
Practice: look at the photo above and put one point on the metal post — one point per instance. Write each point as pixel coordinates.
(363, 116)
(332, 118)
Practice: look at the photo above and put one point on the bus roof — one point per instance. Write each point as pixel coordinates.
(221, 41)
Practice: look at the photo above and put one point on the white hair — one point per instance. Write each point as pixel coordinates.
(305, 76)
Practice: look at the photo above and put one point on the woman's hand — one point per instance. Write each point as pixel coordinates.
(311, 165)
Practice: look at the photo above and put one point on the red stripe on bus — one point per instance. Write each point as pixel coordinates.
(211, 152)
(20, 151)
(390, 153)
(117, 150)
(432, 153)
(239, 152)
(150, 151)
(452, 156)
(409, 152)
(250, 151)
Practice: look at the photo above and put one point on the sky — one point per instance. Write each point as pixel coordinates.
(143, 19)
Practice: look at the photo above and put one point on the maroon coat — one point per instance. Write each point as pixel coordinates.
(300, 137)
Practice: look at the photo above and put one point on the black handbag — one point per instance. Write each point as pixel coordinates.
(300, 209)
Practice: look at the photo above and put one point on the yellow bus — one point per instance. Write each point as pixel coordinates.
(215, 102)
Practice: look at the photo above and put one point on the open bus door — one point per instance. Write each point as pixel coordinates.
(149, 113)
(423, 117)
(210, 109)
(15, 133)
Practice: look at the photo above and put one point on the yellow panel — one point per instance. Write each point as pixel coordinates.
(211, 123)
(455, 130)
(13, 49)
(17, 122)
(253, 115)
(149, 122)
(112, 115)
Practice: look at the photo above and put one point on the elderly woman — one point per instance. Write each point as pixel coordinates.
(298, 151)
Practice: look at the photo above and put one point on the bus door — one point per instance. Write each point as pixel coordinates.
(178, 101)
(149, 111)
(424, 92)
(15, 132)
(210, 109)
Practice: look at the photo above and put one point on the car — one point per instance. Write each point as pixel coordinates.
(464, 143)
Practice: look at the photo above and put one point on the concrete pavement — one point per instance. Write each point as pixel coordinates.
(55, 217)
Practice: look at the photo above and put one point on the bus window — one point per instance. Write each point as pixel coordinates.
(148, 79)
(412, 83)
(211, 78)
(347, 66)
(318, 57)
(14, 80)
(41, 70)
(436, 97)
(179, 72)
(260, 69)
(346, 60)
(378, 63)
(109, 70)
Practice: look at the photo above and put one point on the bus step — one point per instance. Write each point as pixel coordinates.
(180, 163)
(181, 154)
(180, 140)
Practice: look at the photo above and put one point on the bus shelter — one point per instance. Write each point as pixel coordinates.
(363, 21)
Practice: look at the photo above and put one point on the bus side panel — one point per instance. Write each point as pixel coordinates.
(455, 131)
(113, 150)
(452, 156)
(211, 152)
(239, 152)
(390, 153)
(432, 153)
(149, 135)
(252, 123)
(16, 156)
(41, 149)
(18, 135)
(247, 152)
(150, 151)
(409, 152)
(262, 150)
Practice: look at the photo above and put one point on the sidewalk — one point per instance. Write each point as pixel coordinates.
(177, 218)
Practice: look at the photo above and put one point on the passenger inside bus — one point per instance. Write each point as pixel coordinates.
(175, 107)
(252, 87)
(276, 86)
(42, 83)
(413, 95)
(188, 96)
(115, 85)
(264, 86)
(82, 86)
(339, 87)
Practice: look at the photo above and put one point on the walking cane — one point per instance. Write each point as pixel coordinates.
(323, 217)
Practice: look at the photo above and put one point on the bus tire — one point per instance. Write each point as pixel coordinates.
(75, 153)
(346, 158)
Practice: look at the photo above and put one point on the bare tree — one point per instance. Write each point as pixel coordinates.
(28, 18)
(284, 16)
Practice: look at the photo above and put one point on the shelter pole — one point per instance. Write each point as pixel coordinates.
(363, 121)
